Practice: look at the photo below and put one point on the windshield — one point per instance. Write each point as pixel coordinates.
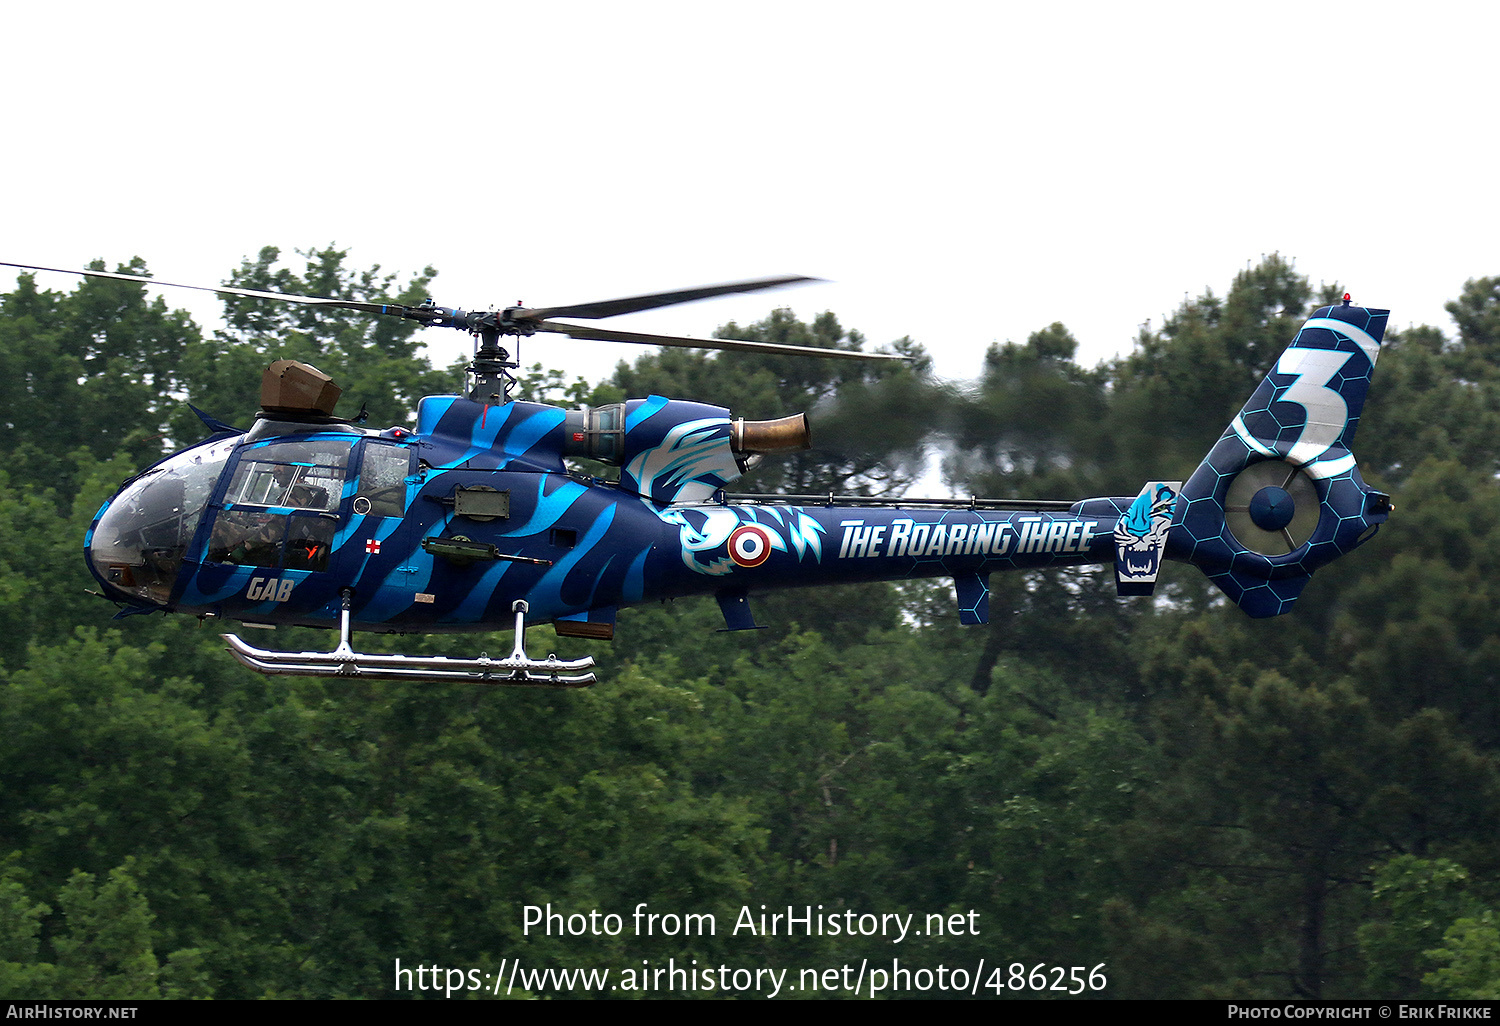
(139, 542)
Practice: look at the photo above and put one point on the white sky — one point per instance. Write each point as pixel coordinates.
(963, 172)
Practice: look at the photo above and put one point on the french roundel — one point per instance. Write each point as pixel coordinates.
(749, 545)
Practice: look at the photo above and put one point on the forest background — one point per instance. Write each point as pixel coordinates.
(1205, 804)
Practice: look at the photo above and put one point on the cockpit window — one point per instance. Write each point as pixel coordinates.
(299, 475)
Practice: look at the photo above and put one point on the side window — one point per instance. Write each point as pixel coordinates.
(308, 543)
(382, 481)
(300, 475)
(247, 538)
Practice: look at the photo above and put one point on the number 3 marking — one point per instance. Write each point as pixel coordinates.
(1326, 410)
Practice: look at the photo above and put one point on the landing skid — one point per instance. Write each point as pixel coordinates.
(518, 669)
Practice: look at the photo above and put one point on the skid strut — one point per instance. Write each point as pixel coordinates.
(517, 669)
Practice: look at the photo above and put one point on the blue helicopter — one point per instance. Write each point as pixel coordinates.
(473, 518)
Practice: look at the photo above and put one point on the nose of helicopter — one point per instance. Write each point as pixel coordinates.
(134, 553)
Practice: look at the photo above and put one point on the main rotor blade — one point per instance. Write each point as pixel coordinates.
(632, 304)
(733, 344)
(223, 290)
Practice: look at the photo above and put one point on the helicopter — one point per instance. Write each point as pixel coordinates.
(473, 519)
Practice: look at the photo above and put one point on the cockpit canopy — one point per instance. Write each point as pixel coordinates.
(140, 541)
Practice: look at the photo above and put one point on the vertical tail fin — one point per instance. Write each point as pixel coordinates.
(1280, 494)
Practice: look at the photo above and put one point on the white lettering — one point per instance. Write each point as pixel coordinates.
(939, 541)
(918, 539)
(1001, 545)
(861, 547)
(979, 538)
(957, 535)
(270, 589)
(847, 525)
(900, 532)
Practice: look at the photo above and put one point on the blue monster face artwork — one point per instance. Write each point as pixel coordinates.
(1141, 537)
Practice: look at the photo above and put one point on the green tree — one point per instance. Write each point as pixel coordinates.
(98, 369)
(1477, 313)
(22, 973)
(1471, 949)
(1179, 388)
(103, 947)
(1033, 427)
(869, 419)
(376, 360)
(1415, 900)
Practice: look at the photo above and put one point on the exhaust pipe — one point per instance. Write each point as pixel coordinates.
(784, 435)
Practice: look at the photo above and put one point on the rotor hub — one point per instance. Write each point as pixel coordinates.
(1272, 508)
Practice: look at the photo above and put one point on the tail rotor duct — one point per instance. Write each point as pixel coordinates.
(1272, 508)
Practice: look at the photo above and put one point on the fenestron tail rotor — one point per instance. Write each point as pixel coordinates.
(1272, 507)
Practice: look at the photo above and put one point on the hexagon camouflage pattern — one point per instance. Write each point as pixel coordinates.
(1293, 438)
(449, 527)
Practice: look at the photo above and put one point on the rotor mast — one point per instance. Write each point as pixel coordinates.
(489, 378)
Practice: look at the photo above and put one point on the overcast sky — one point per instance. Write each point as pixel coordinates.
(962, 172)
